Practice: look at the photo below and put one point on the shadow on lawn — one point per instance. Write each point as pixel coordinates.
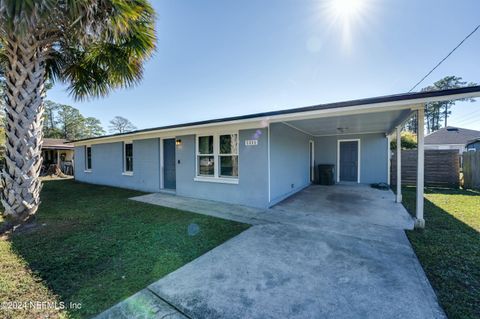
(448, 250)
(93, 246)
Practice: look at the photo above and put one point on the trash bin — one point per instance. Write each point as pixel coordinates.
(326, 174)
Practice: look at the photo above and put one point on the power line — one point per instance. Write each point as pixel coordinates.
(448, 55)
(469, 121)
(467, 116)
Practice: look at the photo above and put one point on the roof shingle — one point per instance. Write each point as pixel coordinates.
(452, 135)
(56, 143)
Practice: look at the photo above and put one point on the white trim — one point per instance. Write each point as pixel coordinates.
(419, 221)
(298, 129)
(160, 141)
(312, 160)
(162, 175)
(399, 164)
(389, 157)
(88, 169)
(358, 157)
(402, 123)
(216, 158)
(333, 134)
(214, 155)
(125, 172)
(268, 164)
(357, 133)
(260, 121)
(222, 180)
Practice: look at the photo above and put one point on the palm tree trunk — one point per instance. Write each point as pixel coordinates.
(25, 81)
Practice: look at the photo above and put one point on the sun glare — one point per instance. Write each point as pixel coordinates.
(347, 9)
(346, 18)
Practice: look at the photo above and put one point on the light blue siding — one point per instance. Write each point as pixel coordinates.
(107, 165)
(252, 189)
(289, 165)
(373, 155)
(290, 161)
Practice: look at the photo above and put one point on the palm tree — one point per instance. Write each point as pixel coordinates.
(93, 46)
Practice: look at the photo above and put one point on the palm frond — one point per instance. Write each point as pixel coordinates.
(93, 46)
(19, 17)
(116, 59)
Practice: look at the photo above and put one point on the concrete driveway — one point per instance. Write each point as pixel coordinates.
(309, 262)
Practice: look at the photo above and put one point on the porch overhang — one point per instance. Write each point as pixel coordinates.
(384, 122)
(392, 109)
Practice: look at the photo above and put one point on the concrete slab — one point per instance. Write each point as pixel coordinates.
(349, 203)
(142, 305)
(314, 206)
(237, 213)
(284, 271)
(327, 252)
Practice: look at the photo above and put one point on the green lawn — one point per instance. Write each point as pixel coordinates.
(93, 246)
(449, 247)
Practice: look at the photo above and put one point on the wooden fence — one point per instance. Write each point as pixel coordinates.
(471, 169)
(442, 168)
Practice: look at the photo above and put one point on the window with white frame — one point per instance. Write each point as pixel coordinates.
(128, 157)
(88, 158)
(217, 156)
(228, 155)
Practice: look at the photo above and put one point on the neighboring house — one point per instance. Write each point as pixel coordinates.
(58, 151)
(449, 138)
(473, 145)
(259, 159)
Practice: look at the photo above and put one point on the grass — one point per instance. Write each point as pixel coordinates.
(92, 246)
(449, 247)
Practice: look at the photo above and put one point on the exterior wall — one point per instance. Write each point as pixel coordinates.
(289, 165)
(252, 187)
(290, 161)
(107, 165)
(373, 155)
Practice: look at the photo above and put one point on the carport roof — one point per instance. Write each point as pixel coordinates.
(414, 98)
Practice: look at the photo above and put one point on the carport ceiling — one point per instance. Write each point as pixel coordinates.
(380, 122)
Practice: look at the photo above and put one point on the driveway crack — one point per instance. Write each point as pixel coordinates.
(170, 304)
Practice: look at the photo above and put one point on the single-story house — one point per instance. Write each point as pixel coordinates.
(473, 145)
(260, 159)
(58, 151)
(450, 138)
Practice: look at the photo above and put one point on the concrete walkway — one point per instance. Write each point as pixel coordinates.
(308, 263)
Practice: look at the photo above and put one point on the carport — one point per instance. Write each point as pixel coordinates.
(355, 137)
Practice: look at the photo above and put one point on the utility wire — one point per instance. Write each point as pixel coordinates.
(468, 121)
(448, 55)
(468, 116)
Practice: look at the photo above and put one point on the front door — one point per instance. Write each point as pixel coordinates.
(348, 161)
(169, 174)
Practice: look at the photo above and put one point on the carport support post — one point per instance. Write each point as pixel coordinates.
(419, 221)
(399, 164)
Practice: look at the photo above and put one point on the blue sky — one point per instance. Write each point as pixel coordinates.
(218, 58)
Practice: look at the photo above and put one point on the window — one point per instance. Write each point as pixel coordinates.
(128, 158)
(206, 157)
(228, 155)
(217, 156)
(88, 158)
